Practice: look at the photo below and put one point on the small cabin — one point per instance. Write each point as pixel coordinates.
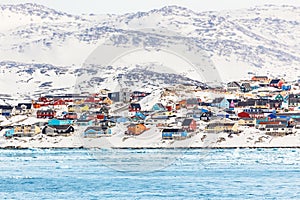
(174, 133)
(97, 131)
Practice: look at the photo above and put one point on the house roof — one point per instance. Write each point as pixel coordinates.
(192, 101)
(27, 105)
(187, 122)
(260, 77)
(133, 125)
(275, 126)
(135, 105)
(6, 107)
(95, 128)
(168, 130)
(233, 84)
(84, 120)
(60, 127)
(218, 100)
(220, 124)
(274, 81)
(160, 105)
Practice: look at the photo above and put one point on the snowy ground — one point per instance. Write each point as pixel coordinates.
(250, 138)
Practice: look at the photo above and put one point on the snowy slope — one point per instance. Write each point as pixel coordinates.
(262, 40)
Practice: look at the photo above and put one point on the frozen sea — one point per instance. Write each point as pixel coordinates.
(150, 174)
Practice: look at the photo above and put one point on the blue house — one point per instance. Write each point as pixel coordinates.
(6, 110)
(9, 133)
(140, 115)
(121, 119)
(286, 87)
(173, 133)
(84, 122)
(158, 107)
(97, 131)
(58, 122)
(220, 103)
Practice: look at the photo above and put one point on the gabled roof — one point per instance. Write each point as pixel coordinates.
(187, 122)
(274, 81)
(6, 107)
(160, 105)
(172, 130)
(233, 84)
(218, 100)
(95, 128)
(260, 77)
(275, 126)
(134, 125)
(60, 127)
(135, 105)
(27, 105)
(192, 101)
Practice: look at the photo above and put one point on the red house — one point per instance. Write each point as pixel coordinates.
(251, 114)
(134, 107)
(189, 125)
(71, 115)
(277, 83)
(46, 114)
(244, 115)
(59, 102)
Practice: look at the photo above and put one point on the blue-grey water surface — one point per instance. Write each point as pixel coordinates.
(119, 174)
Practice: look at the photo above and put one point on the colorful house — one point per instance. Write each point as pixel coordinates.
(189, 125)
(221, 126)
(173, 133)
(58, 122)
(24, 108)
(46, 114)
(71, 115)
(7, 110)
(260, 78)
(277, 83)
(192, 103)
(84, 122)
(23, 131)
(97, 131)
(220, 103)
(135, 129)
(60, 130)
(134, 107)
(158, 107)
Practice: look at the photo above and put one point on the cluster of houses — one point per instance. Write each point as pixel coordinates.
(271, 106)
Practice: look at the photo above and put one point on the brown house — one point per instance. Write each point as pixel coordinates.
(135, 129)
(260, 78)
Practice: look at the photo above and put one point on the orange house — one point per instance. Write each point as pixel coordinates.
(135, 129)
(36, 105)
(108, 101)
(260, 78)
(182, 103)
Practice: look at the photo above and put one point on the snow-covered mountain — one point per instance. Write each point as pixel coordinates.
(261, 40)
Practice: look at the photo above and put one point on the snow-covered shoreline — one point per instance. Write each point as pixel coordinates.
(152, 140)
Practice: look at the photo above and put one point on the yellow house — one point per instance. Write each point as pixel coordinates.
(26, 130)
(221, 126)
(84, 108)
(108, 101)
(71, 108)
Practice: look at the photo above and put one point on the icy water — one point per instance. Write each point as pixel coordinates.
(150, 174)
